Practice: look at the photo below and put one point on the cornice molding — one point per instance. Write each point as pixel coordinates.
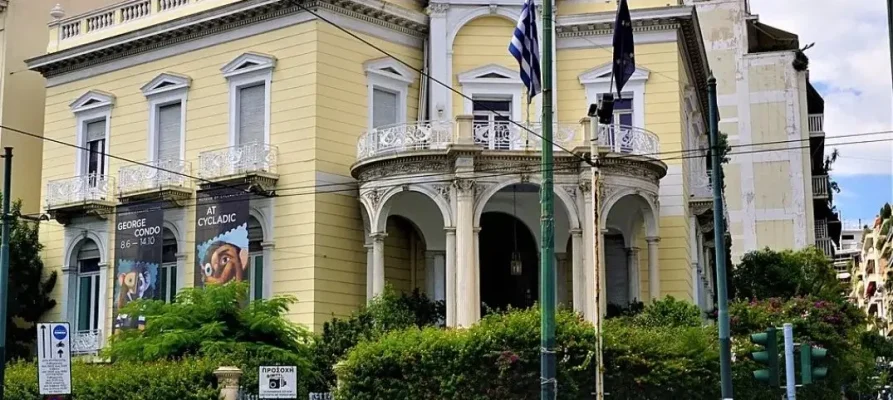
(219, 20)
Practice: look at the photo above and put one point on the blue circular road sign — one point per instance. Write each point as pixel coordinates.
(59, 332)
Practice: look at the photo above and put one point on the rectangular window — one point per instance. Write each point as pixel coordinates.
(623, 112)
(384, 108)
(256, 280)
(492, 123)
(252, 120)
(167, 283)
(168, 131)
(95, 144)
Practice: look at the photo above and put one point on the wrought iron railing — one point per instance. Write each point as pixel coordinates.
(91, 187)
(504, 135)
(629, 140)
(154, 175)
(398, 138)
(86, 342)
(246, 158)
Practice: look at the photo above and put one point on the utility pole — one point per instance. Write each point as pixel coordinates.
(719, 237)
(548, 382)
(596, 230)
(790, 379)
(4, 263)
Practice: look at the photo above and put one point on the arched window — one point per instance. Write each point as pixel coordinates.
(87, 259)
(167, 278)
(255, 259)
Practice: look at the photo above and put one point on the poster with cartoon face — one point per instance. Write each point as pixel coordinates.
(221, 237)
(138, 244)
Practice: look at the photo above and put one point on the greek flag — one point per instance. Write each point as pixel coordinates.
(525, 47)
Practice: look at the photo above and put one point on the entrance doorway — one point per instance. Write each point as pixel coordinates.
(501, 236)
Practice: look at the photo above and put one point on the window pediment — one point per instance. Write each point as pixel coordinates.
(602, 74)
(490, 74)
(247, 63)
(92, 100)
(390, 68)
(166, 82)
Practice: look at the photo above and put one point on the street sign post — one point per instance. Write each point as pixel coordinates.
(277, 382)
(54, 358)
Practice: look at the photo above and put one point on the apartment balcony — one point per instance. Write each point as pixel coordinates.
(86, 342)
(816, 125)
(156, 180)
(251, 164)
(91, 194)
(820, 187)
(825, 245)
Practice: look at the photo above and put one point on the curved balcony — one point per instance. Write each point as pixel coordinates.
(159, 179)
(628, 140)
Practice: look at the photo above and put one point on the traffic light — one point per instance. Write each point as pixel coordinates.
(767, 357)
(808, 356)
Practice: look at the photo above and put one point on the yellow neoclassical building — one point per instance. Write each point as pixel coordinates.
(260, 140)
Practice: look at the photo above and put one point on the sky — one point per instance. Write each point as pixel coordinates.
(850, 66)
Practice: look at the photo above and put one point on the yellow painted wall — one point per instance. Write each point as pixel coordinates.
(577, 7)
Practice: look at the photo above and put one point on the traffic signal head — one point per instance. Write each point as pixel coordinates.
(767, 357)
(808, 357)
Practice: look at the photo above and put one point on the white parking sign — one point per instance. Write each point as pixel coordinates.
(277, 382)
(54, 358)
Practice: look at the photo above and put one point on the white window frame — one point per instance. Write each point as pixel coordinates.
(597, 82)
(90, 107)
(391, 76)
(97, 281)
(477, 83)
(248, 69)
(166, 89)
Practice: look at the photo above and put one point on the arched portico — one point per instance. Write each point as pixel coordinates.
(626, 215)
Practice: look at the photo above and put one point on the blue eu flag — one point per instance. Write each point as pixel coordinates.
(624, 48)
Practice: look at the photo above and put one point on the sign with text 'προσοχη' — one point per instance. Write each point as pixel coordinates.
(277, 382)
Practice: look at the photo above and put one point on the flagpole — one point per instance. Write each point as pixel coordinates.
(548, 382)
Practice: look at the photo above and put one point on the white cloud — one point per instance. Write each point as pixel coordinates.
(851, 58)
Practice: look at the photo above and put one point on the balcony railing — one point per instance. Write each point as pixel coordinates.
(821, 228)
(154, 175)
(820, 186)
(816, 124)
(243, 159)
(825, 245)
(421, 135)
(114, 15)
(524, 136)
(628, 140)
(80, 189)
(86, 342)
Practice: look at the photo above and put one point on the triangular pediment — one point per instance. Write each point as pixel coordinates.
(166, 82)
(248, 62)
(92, 99)
(602, 74)
(390, 68)
(492, 73)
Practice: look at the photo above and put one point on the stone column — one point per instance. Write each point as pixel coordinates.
(228, 382)
(378, 263)
(69, 295)
(450, 276)
(465, 262)
(370, 271)
(578, 276)
(560, 278)
(589, 306)
(476, 274)
(632, 261)
(653, 267)
(434, 274)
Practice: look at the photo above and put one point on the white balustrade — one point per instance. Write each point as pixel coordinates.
(164, 5)
(70, 30)
(629, 140)
(86, 342)
(100, 21)
(154, 175)
(421, 135)
(91, 187)
(504, 135)
(816, 123)
(246, 158)
(136, 10)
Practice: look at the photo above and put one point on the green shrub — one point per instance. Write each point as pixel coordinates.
(669, 312)
(187, 379)
(497, 359)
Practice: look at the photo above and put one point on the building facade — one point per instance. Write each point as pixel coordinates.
(871, 284)
(777, 182)
(261, 140)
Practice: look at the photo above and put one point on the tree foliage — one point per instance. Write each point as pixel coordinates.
(785, 274)
(29, 286)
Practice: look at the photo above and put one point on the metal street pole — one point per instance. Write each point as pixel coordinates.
(596, 265)
(548, 382)
(719, 237)
(790, 379)
(4, 263)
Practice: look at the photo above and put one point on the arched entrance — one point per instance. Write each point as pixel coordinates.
(504, 241)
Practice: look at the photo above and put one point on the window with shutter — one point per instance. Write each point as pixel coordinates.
(251, 114)
(384, 108)
(95, 147)
(169, 131)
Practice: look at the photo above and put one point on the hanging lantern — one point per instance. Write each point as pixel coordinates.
(517, 266)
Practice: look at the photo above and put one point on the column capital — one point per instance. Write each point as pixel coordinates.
(438, 9)
(465, 187)
(476, 230)
(450, 230)
(652, 239)
(632, 249)
(180, 256)
(576, 232)
(103, 265)
(604, 231)
(68, 269)
(378, 236)
(268, 245)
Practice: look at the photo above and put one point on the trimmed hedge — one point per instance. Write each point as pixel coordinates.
(188, 379)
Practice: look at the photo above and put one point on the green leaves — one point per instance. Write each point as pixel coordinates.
(785, 274)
